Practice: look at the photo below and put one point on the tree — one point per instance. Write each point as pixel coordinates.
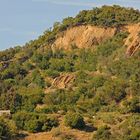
(33, 126)
(38, 79)
(8, 130)
(34, 122)
(113, 90)
(74, 120)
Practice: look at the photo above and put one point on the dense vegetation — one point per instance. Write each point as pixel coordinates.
(8, 129)
(106, 85)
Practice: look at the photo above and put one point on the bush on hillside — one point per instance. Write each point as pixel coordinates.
(33, 122)
(103, 133)
(74, 120)
(8, 129)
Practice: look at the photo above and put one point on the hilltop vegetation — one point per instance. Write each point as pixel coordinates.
(106, 16)
(105, 92)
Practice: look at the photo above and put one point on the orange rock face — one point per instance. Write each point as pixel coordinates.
(84, 36)
(133, 40)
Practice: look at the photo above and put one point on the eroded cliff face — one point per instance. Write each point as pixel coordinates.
(83, 36)
(133, 40)
(87, 36)
(63, 81)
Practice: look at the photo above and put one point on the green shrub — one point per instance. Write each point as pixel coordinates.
(38, 79)
(8, 129)
(131, 106)
(49, 123)
(97, 81)
(52, 73)
(74, 120)
(103, 133)
(33, 122)
(33, 126)
(113, 90)
(130, 128)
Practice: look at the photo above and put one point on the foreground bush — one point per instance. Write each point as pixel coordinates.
(103, 133)
(34, 123)
(8, 129)
(74, 120)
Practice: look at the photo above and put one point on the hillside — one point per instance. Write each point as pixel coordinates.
(80, 80)
(83, 36)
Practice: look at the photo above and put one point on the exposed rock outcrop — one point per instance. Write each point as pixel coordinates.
(86, 36)
(133, 40)
(83, 36)
(63, 81)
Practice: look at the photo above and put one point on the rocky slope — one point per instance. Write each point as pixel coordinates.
(87, 36)
(76, 77)
(83, 36)
(133, 40)
(63, 81)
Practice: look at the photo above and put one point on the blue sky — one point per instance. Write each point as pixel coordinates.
(23, 20)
